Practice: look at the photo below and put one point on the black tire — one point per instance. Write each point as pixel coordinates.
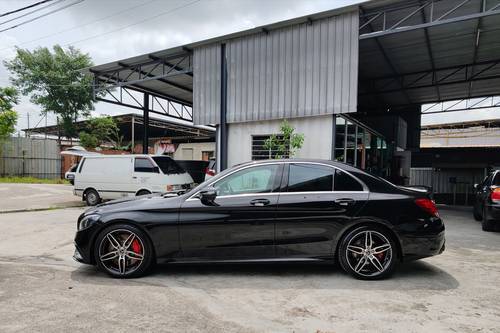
(111, 266)
(386, 259)
(92, 197)
(143, 192)
(485, 224)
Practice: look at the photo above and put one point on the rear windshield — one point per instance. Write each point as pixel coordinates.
(167, 165)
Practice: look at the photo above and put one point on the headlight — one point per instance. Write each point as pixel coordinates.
(87, 221)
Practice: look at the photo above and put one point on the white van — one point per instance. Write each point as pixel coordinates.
(115, 176)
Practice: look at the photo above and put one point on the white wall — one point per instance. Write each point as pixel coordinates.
(197, 148)
(317, 137)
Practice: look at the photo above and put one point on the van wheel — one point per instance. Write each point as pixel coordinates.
(92, 197)
(143, 192)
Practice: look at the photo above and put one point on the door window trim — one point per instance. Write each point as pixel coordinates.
(284, 181)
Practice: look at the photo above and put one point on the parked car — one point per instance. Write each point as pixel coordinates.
(211, 169)
(267, 211)
(195, 168)
(114, 176)
(487, 201)
(70, 174)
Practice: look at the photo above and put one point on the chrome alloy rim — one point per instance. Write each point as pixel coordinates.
(369, 253)
(121, 251)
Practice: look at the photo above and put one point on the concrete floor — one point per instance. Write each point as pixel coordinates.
(42, 289)
(18, 197)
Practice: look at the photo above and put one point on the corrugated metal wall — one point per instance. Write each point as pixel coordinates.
(439, 180)
(206, 85)
(297, 71)
(30, 157)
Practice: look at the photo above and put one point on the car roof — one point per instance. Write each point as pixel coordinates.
(302, 160)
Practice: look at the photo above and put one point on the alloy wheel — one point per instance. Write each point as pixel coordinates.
(121, 252)
(369, 253)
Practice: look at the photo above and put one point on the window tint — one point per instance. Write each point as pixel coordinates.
(167, 165)
(252, 180)
(310, 178)
(496, 180)
(344, 182)
(143, 165)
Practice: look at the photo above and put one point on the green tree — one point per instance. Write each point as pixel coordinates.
(8, 117)
(55, 82)
(285, 144)
(100, 130)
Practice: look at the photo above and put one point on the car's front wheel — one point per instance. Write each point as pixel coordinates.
(368, 253)
(123, 251)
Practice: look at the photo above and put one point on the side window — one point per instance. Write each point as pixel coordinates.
(345, 182)
(81, 165)
(258, 179)
(496, 180)
(143, 164)
(310, 178)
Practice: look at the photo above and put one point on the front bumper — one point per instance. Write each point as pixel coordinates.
(83, 244)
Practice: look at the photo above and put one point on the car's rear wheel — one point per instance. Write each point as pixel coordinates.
(123, 251)
(486, 225)
(368, 253)
(92, 197)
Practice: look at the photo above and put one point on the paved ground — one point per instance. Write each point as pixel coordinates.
(16, 197)
(42, 289)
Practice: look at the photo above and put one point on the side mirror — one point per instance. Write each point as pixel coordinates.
(476, 186)
(208, 195)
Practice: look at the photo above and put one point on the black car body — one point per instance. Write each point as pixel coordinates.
(293, 210)
(487, 201)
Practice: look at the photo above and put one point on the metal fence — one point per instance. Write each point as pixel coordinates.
(38, 158)
(453, 186)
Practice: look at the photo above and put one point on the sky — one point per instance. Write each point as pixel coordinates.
(110, 30)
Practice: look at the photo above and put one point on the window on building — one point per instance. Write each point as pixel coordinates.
(310, 178)
(143, 164)
(258, 150)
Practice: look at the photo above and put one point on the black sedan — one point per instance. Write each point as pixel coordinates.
(487, 203)
(276, 210)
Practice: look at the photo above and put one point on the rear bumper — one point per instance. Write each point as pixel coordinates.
(425, 240)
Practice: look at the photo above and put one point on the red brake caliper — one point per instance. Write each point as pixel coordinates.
(136, 246)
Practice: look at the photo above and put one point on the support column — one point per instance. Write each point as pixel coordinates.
(223, 111)
(145, 137)
(133, 134)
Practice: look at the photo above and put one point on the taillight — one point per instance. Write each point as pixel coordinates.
(495, 194)
(209, 172)
(427, 205)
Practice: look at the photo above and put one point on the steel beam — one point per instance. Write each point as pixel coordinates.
(145, 136)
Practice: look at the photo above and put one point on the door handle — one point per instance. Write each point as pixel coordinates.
(345, 201)
(134, 177)
(260, 202)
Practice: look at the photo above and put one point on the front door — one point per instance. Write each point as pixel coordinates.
(316, 203)
(239, 224)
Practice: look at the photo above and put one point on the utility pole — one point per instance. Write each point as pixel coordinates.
(28, 131)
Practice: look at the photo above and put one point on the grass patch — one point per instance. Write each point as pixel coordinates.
(32, 180)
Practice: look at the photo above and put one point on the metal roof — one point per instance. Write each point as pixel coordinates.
(410, 52)
(416, 52)
(157, 128)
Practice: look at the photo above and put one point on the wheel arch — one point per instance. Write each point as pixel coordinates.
(143, 189)
(368, 222)
(115, 222)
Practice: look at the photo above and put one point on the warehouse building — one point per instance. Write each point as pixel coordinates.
(352, 80)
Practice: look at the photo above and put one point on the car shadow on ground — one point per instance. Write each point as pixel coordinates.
(417, 275)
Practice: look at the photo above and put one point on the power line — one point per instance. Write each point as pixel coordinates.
(134, 24)
(31, 12)
(23, 8)
(80, 26)
(43, 15)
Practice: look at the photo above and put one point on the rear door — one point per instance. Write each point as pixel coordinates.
(313, 206)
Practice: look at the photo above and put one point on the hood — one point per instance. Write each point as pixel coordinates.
(143, 202)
